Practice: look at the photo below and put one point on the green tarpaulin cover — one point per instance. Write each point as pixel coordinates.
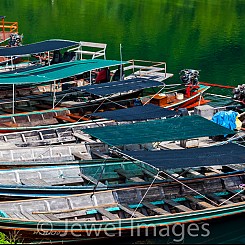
(57, 71)
(180, 128)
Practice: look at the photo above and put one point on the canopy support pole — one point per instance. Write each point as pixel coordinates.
(12, 63)
(48, 58)
(121, 62)
(90, 77)
(54, 98)
(13, 99)
(3, 28)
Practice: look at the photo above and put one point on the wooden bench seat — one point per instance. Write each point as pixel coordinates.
(9, 124)
(219, 199)
(155, 208)
(77, 117)
(130, 211)
(105, 213)
(63, 118)
(201, 203)
(127, 175)
(177, 205)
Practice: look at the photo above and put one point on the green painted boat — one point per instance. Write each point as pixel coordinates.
(149, 210)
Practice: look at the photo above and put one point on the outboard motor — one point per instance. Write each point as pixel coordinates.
(189, 76)
(239, 93)
(15, 40)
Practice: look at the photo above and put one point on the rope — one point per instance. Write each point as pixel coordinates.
(190, 188)
(154, 95)
(144, 195)
(98, 180)
(242, 186)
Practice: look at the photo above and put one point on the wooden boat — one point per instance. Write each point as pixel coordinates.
(27, 116)
(72, 178)
(52, 179)
(54, 153)
(179, 99)
(124, 211)
(62, 134)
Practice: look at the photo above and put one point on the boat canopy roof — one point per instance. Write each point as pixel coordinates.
(39, 47)
(177, 128)
(134, 84)
(56, 71)
(204, 156)
(148, 111)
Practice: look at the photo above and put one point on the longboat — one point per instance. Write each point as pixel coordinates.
(74, 177)
(123, 211)
(72, 132)
(71, 113)
(56, 153)
(49, 109)
(110, 138)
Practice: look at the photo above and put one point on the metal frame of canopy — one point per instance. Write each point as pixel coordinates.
(55, 72)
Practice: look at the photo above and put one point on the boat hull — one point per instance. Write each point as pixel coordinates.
(42, 232)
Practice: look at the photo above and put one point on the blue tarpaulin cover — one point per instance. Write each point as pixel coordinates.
(148, 111)
(193, 157)
(226, 119)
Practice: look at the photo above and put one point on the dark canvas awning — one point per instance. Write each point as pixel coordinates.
(178, 128)
(193, 157)
(135, 113)
(35, 48)
(120, 86)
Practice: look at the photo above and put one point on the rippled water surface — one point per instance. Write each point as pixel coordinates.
(207, 35)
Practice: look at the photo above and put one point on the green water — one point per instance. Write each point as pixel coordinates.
(207, 35)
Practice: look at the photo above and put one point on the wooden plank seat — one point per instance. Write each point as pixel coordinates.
(193, 172)
(82, 156)
(100, 154)
(130, 211)
(77, 117)
(219, 199)
(9, 124)
(177, 205)
(199, 202)
(155, 208)
(91, 179)
(152, 175)
(241, 195)
(105, 213)
(64, 118)
(127, 175)
(216, 171)
(83, 137)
